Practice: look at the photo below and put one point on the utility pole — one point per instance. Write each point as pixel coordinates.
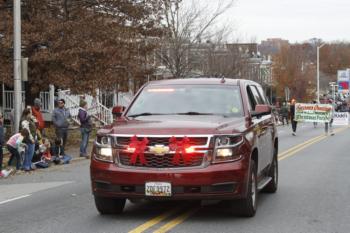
(17, 63)
(318, 72)
(333, 85)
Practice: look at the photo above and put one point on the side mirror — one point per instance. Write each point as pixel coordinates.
(261, 110)
(118, 110)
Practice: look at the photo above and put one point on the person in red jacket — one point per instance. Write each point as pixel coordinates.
(38, 115)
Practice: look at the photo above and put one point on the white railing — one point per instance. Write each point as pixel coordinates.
(95, 109)
(102, 113)
(45, 101)
(106, 98)
(8, 100)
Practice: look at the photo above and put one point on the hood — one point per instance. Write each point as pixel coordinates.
(177, 125)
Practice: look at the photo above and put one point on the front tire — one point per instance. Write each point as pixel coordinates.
(271, 187)
(106, 205)
(247, 207)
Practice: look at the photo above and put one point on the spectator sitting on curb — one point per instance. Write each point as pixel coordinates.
(42, 157)
(58, 155)
(47, 152)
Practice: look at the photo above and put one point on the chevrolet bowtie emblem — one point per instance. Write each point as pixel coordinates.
(159, 149)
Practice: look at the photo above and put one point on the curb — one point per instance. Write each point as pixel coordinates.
(53, 168)
(79, 159)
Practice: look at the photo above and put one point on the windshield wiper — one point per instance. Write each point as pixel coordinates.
(194, 113)
(145, 114)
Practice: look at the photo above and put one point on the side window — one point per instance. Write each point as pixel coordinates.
(252, 101)
(263, 96)
(258, 99)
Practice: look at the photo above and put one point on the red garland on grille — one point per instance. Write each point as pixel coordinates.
(140, 147)
(180, 149)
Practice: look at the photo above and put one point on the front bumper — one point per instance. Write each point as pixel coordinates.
(217, 181)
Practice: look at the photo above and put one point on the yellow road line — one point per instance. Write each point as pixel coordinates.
(176, 221)
(156, 220)
(298, 146)
(302, 146)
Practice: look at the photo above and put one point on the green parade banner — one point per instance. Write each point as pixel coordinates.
(313, 112)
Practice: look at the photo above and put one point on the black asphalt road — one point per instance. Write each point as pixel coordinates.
(313, 196)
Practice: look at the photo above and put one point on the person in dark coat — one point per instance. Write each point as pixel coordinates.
(292, 113)
(284, 113)
(85, 128)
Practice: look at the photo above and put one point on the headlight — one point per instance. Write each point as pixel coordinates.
(104, 140)
(224, 153)
(227, 148)
(104, 154)
(224, 141)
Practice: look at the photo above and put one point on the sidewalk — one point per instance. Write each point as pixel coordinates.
(72, 150)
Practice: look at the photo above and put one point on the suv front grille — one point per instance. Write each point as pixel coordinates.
(166, 160)
(163, 161)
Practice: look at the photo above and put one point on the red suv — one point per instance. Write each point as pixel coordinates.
(201, 138)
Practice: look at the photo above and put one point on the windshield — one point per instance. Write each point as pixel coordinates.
(188, 99)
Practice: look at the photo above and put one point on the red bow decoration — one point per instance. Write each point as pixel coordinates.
(140, 147)
(180, 149)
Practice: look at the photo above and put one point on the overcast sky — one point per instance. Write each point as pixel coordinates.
(295, 20)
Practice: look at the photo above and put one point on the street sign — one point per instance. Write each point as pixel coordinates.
(24, 69)
(343, 81)
(341, 118)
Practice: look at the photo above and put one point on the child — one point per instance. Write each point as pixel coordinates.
(46, 150)
(58, 155)
(15, 144)
(44, 153)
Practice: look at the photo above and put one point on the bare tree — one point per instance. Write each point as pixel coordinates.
(186, 27)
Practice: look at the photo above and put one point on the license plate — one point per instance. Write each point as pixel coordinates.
(158, 189)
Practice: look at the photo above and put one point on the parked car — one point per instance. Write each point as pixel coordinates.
(187, 139)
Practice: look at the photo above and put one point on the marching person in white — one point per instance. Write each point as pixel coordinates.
(328, 126)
